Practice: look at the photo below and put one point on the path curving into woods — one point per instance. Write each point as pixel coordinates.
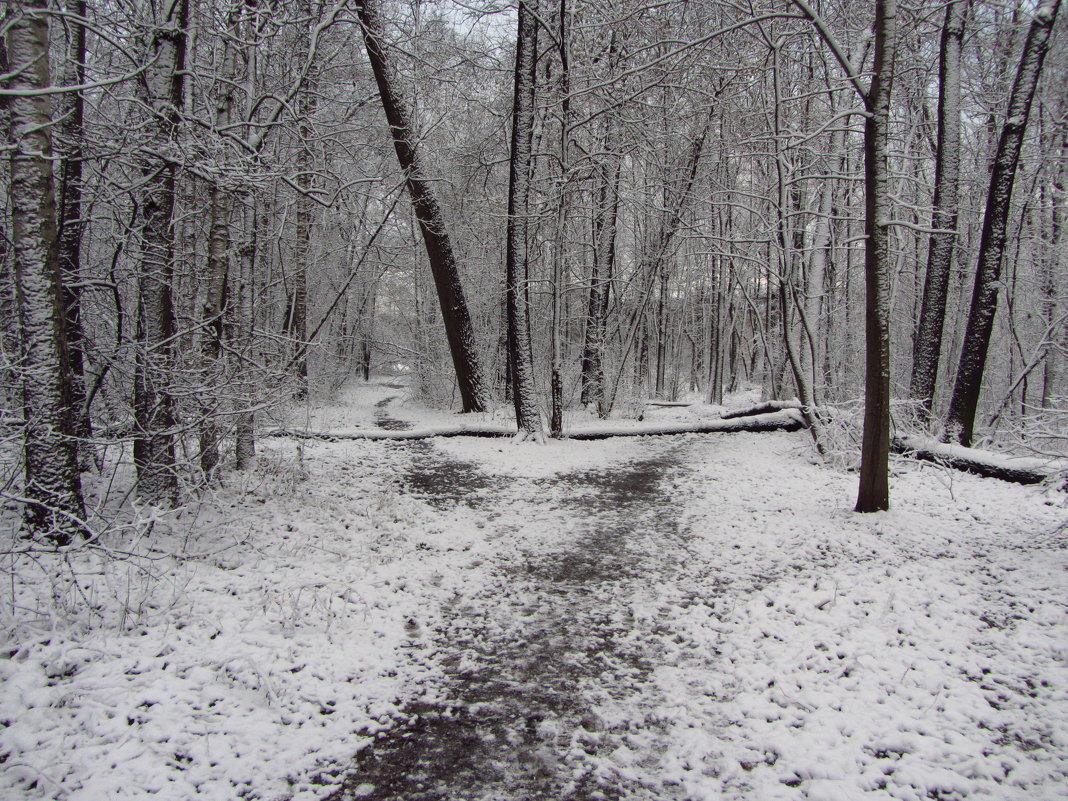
(528, 658)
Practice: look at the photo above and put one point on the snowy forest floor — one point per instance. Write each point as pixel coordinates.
(682, 617)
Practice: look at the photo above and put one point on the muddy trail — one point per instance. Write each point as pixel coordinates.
(530, 658)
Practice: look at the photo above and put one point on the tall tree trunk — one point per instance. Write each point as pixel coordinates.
(216, 291)
(53, 491)
(556, 380)
(520, 360)
(1055, 285)
(162, 88)
(928, 342)
(874, 492)
(70, 218)
(458, 328)
(605, 217)
(244, 431)
(297, 317)
(212, 314)
(960, 422)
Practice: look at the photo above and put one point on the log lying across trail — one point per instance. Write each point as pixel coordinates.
(768, 416)
(785, 420)
(765, 407)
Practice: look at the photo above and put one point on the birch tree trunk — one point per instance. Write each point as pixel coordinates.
(960, 422)
(216, 292)
(454, 311)
(54, 506)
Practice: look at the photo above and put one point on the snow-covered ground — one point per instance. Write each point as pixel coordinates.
(789, 648)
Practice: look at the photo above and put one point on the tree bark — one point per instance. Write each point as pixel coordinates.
(162, 88)
(54, 506)
(454, 311)
(928, 343)
(520, 361)
(606, 215)
(297, 317)
(244, 432)
(960, 422)
(873, 494)
(71, 225)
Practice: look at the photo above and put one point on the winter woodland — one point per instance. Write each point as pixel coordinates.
(424, 399)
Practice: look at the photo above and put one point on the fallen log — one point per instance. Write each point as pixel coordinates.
(785, 420)
(1017, 469)
(761, 408)
(429, 432)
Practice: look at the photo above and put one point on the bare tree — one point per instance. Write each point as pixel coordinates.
(873, 494)
(928, 342)
(520, 358)
(162, 93)
(53, 495)
(443, 264)
(960, 422)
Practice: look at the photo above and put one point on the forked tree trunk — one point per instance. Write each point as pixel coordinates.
(605, 219)
(458, 328)
(960, 422)
(928, 343)
(54, 507)
(520, 361)
(873, 494)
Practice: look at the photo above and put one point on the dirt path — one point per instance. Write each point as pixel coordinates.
(553, 636)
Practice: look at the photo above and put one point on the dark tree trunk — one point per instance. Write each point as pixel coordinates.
(874, 492)
(520, 361)
(154, 412)
(605, 219)
(70, 222)
(54, 507)
(244, 425)
(960, 422)
(297, 318)
(928, 343)
(443, 266)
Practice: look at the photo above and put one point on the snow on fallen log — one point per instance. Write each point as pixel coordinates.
(785, 420)
(426, 432)
(1017, 469)
(761, 408)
